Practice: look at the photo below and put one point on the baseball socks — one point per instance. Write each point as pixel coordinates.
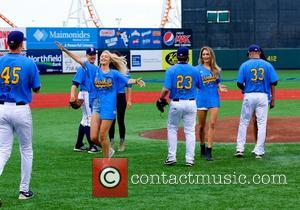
(203, 150)
(209, 155)
(79, 144)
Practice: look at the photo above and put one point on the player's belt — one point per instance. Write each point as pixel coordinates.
(177, 99)
(18, 103)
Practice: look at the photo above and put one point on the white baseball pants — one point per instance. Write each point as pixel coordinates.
(17, 119)
(186, 111)
(257, 102)
(86, 109)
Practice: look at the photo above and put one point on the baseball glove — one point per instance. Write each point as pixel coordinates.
(76, 104)
(160, 104)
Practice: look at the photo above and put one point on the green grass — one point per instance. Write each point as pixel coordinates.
(61, 83)
(62, 179)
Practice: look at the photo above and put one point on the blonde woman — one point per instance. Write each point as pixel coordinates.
(105, 84)
(208, 99)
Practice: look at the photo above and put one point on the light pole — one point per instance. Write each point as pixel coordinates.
(118, 21)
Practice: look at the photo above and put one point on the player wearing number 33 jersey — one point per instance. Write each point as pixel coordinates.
(255, 78)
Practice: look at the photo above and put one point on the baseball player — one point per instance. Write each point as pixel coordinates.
(81, 78)
(255, 78)
(18, 76)
(208, 99)
(105, 84)
(181, 81)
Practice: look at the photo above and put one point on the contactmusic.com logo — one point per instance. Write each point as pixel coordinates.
(110, 177)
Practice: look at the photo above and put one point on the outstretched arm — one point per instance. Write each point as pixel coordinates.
(138, 81)
(69, 53)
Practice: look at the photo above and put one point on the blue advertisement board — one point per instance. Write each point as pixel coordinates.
(71, 38)
(129, 38)
(47, 61)
(174, 38)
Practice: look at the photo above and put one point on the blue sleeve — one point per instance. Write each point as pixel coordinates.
(79, 76)
(122, 78)
(168, 80)
(273, 75)
(240, 77)
(35, 77)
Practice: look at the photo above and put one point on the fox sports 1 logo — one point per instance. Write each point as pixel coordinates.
(168, 38)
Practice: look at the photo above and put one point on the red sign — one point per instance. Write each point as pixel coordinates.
(110, 177)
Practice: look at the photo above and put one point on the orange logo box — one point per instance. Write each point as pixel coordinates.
(110, 177)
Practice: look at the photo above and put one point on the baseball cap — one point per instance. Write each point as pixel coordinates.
(182, 51)
(15, 37)
(254, 48)
(91, 51)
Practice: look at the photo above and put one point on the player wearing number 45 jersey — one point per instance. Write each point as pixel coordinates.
(255, 78)
(19, 75)
(181, 81)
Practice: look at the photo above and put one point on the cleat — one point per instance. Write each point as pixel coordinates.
(83, 148)
(170, 162)
(25, 195)
(189, 164)
(258, 156)
(94, 150)
(239, 154)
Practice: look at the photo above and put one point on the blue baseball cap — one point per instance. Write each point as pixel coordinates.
(91, 51)
(15, 37)
(182, 51)
(254, 48)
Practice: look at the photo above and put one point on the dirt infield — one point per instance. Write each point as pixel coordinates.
(283, 129)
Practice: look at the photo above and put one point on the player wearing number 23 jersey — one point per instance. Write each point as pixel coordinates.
(181, 81)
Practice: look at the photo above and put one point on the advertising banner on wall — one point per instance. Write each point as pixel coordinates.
(174, 38)
(71, 66)
(146, 60)
(71, 38)
(3, 37)
(125, 38)
(169, 58)
(47, 61)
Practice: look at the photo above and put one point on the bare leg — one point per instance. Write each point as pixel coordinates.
(104, 128)
(95, 126)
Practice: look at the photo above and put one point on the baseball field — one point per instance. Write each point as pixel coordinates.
(62, 178)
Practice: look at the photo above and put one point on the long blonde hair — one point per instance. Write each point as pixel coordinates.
(213, 64)
(119, 62)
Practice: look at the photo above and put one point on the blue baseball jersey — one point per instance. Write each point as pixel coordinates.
(81, 77)
(208, 95)
(107, 85)
(256, 75)
(182, 79)
(121, 88)
(87, 76)
(18, 75)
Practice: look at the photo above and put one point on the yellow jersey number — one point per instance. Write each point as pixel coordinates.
(180, 81)
(258, 74)
(5, 75)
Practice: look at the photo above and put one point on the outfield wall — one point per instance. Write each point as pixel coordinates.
(231, 59)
